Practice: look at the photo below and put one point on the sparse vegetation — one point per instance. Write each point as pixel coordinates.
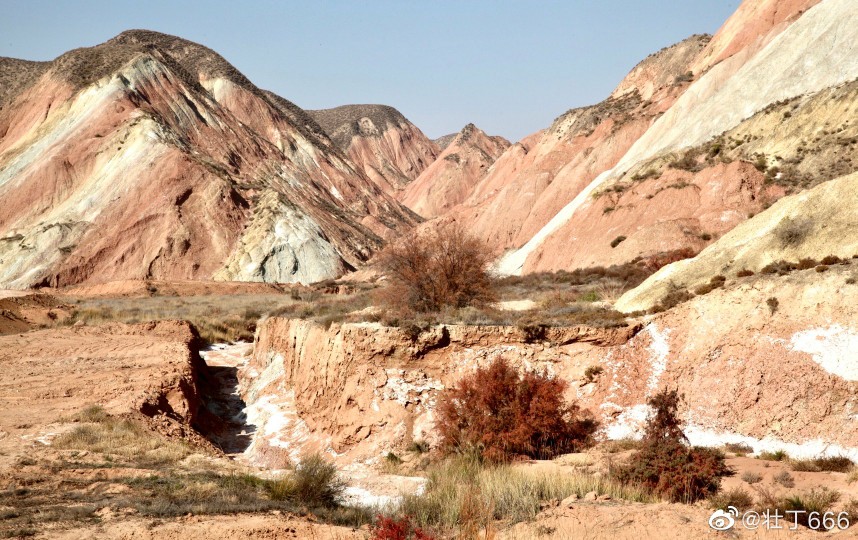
(793, 231)
(773, 304)
(465, 493)
(785, 479)
(617, 241)
(740, 449)
(500, 415)
(840, 464)
(736, 497)
(777, 455)
(592, 372)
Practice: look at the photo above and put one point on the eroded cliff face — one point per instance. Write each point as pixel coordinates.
(381, 142)
(151, 157)
(533, 179)
(771, 378)
(452, 177)
(798, 50)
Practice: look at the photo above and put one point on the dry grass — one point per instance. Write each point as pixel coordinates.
(63, 485)
(462, 489)
(121, 438)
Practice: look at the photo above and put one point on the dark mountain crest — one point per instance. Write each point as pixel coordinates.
(343, 122)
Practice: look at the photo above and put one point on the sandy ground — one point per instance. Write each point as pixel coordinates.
(49, 375)
(238, 527)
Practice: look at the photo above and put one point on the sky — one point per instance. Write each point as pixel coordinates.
(508, 67)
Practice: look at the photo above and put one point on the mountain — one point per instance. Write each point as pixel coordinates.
(771, 89)
(150, 156)
(533, 179)
(451, 178)
(384, 144)
(444, 141)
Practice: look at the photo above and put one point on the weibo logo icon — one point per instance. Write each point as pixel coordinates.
(723, 521)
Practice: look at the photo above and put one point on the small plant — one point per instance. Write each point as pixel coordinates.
(617, 241)
(806, 264)
(830, 260)
(793, 231)
(744, 273)
(752, 477)
(822, 268)
(316, 483)
(386, 528)
(592, 372)
(419, 446)
(840, 464)
(777, 455)
(706, 237)
(589, 296)
(785, 479)
(740, 449)
(736, 497)
(773, 304)
(817, 501)
(501, 415)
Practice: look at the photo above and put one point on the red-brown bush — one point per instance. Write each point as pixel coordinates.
(441, 267)
(503, 415)
(666, 465)
(386, 528)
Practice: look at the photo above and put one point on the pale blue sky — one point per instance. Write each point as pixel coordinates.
(509, 67)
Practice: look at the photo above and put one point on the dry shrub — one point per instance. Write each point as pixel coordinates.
(736, 497)
(502, 415)
(438, 268)
(840, 464)
(387, 528)
(744, 273)
(793, 231)
(666, 464)
(785, 479)
(740, 449)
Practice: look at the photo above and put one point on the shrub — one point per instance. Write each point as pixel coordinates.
(822, 268)
(592, 372)
(833, 463)
(744, 273)
(736, 497)
(316, 482)
(589, 296)
(773, 304)
(673, 299)
(785, 479)
(419, 446)
(617, 241)
(830, 259)
(705, 289)
(752, 477)
(386, 528)
(793, 231)
(777, 455)
(806, 264)
(740, 449)
(665, 464)
(442, 267)
(531, 331)
(818, 501)
(502, 415)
